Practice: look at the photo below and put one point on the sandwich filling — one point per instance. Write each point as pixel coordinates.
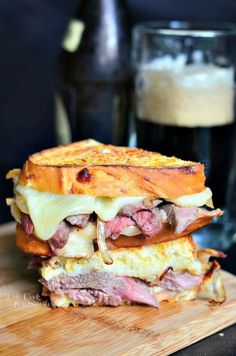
(108, 289)
(76, 225)
(47, 210)
(144, 275)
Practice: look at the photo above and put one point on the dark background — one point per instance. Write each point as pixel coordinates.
(30, 36)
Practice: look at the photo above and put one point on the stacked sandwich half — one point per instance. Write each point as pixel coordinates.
(113, 225)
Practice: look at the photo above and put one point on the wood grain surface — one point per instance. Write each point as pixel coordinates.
(29, 327)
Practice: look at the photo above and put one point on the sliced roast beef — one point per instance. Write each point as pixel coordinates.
(94, 280)
(81, 296)
(146, 216)
(151, 221)
(148, 221)
(180, 217)
(89, 297)
(129, 210)
(112, 288)
(205, 214)
(107, 289)
(179, 281)
(107, 299)
(148, 203)
(136, 291)
(61, 236)
(26, 223)
(79, 220)
(114, 227)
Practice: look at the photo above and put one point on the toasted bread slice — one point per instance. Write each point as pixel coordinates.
(31, 244)
(91, 168)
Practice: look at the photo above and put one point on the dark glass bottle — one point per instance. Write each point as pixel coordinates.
(96, 77)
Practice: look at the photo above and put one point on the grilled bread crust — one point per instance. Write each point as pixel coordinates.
(31, 244)
(88, 167)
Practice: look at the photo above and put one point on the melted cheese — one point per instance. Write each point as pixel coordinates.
(197, 199)
(131, 231)
(47, 210)
(80, 242)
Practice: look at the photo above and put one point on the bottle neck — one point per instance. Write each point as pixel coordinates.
(104, 50)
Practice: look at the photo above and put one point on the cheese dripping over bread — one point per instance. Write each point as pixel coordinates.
(47, 210)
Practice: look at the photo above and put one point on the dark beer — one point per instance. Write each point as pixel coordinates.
(187, 111)
(212, 146)
(184, 89)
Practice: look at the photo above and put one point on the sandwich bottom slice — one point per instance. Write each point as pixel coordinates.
(168, 271)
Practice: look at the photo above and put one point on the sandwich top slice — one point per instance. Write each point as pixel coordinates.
(76, 199)
(91, 168)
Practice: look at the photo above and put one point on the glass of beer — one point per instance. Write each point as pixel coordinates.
(184, 97)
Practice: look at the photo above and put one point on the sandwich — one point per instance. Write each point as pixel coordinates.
(112, 225)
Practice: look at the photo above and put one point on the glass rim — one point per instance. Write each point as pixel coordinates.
(187, 28)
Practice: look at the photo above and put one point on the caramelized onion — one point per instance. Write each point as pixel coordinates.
(102, 243)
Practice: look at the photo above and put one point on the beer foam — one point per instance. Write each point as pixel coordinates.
(171, 92)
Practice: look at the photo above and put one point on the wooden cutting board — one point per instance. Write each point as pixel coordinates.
(29, 327)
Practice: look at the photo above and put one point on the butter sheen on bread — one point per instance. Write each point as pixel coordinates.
(88, 167)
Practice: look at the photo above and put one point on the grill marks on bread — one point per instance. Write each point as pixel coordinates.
(78, 154)
(88, 167)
